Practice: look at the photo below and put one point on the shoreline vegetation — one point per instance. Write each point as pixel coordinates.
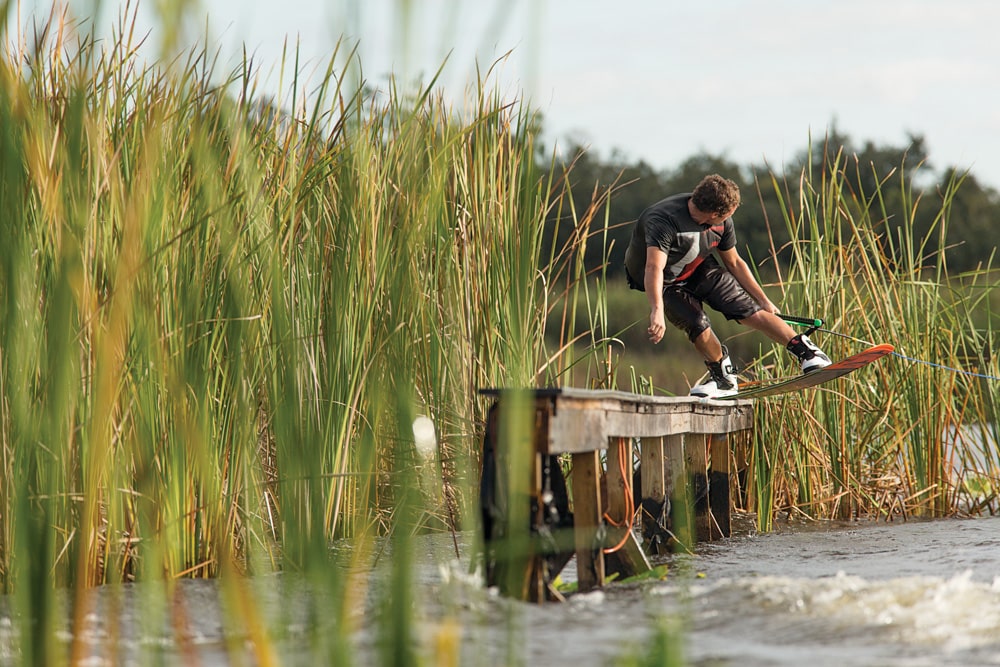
(233, 333)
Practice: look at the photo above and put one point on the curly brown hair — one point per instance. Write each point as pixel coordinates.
(715, 194)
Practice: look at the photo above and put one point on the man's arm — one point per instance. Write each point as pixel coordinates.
(745, 278)
(656, 261)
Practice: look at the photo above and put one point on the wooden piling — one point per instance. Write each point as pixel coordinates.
(718, 486)
(587, 518)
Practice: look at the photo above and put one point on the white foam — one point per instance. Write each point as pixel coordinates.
(593, 598)
(956, 613)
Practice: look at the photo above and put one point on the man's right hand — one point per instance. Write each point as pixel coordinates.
(657, 326)
(656, 260)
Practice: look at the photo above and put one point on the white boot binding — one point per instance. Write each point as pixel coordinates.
(721, 381)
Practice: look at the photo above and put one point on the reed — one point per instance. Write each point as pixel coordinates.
(902, 437)
(222, 317)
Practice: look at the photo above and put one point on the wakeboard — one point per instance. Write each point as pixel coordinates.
(831, 372)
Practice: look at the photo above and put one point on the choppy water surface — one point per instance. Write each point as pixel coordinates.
(914, 593)
(865, 593)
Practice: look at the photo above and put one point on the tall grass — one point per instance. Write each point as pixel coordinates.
(221, 317)
(893, 439)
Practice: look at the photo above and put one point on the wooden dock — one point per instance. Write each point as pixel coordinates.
(536, 518)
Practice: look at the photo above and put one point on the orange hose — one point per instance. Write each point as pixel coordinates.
(625, 468)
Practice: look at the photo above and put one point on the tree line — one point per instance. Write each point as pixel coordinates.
(892, 181)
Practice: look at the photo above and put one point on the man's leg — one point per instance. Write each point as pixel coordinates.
(708, 344)
(775, 328)
(723, 293)
(770, 325)
(721, 373)
(684, 311)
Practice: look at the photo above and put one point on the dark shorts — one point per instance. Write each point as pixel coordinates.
(710, 284)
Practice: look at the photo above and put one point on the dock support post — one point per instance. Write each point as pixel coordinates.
(696, 458)
(681, 517)
(655, 495)
(587, 518)
(718, 487)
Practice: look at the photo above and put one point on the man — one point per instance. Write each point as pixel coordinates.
(670, 257)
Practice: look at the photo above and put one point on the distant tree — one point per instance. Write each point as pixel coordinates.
(972, 215)
(628, 189)
(885, 179)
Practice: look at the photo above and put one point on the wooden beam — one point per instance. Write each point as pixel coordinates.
(654, 496)
(652, 471)
(718, 487)
(678, 489)
(629, 559)
(740, 444)
(619, 486)
(577, 429)
(587, 518)
(696, 457)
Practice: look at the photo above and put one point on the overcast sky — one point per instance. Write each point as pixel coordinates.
(661, 80)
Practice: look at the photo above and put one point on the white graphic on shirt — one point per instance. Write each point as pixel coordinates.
(690, 244)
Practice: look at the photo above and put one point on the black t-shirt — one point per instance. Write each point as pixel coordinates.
(668, 225)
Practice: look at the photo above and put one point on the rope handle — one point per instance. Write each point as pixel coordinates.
(814, 323)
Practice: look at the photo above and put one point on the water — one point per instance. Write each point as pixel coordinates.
(914, 593)
(867, 594)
